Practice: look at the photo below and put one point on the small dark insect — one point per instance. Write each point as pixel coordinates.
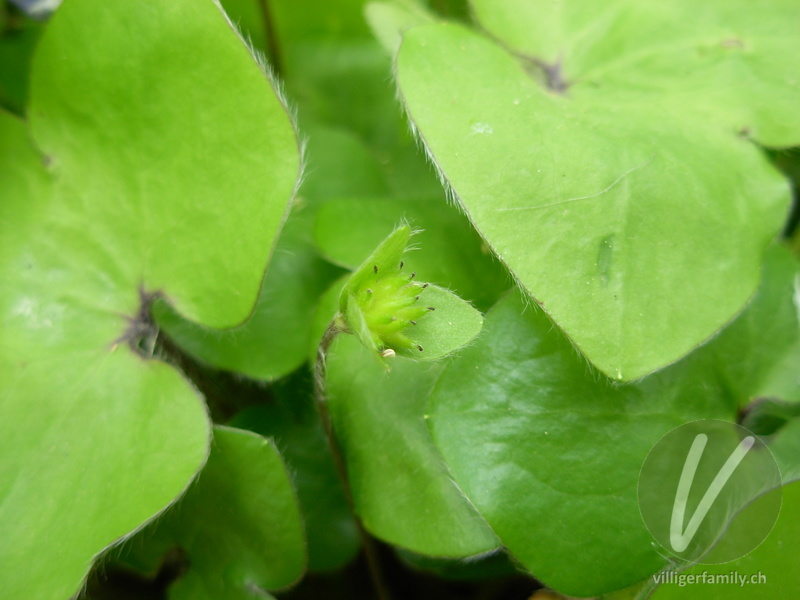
(401, 264)
(424, 285)
(431, 308)
(413, 322)
(375, 268)
(414, 274)
(419, 348)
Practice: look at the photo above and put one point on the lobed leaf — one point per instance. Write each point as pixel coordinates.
(549, 451)
(238, 525)
(128, 181)
(273, 341)
(605, 153)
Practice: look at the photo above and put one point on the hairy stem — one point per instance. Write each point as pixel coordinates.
(270, 32)
(367, 543)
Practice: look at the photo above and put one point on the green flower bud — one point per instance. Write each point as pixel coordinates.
(381, 303)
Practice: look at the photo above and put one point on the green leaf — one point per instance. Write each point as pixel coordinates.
(273, 341)
(449, 252)
(339, 77)
(389, 20)
(492, 565)
(127, 182)
(758, 350)
(401, 488)
(238, 525)
(605, 163)
(157, 180)
(74, 406)
(549, 451)
(784, 380)
(293, 22)
(339, 164)
(291, 419)
(249, 18)
(453, 325)
(725, 63)
(390, 311)
(785, 447)
(773, 565)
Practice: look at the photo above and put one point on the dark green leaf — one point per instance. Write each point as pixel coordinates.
(549, 451)
(238, 525)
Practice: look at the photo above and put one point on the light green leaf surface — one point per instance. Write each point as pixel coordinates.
(717, 59)
(238, 526)
(402, 490)
(134, 181)
(772, 566)
(273, 341)
(453, 325)
(784, 380)
(339, 165)
(136, 96)
(389, 20)
(549, 451)
(611, 167)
